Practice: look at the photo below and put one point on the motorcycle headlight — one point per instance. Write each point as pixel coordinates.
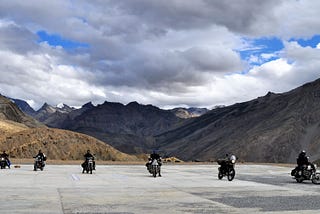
(233, 161)
(309, 167)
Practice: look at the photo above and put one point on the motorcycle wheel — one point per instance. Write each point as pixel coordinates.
(231, 174)
(154, 173)
(315, 179)
(220, 176)
(41, 168)
(299, 180)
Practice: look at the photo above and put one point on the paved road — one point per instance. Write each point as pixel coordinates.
(130, 189)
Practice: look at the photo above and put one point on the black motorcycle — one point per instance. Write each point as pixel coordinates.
(38, 163)
(153, 166)
(4, 163)
(88, 165)
(226, 169)
(306, 172)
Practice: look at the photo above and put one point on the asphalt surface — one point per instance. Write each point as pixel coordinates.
(124, 189)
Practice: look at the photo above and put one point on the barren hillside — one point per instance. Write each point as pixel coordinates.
(58, 144)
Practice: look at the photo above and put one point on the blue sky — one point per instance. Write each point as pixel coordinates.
(58, 40)
(259, 46)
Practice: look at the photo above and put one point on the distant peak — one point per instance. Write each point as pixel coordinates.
(46, 105)
(60, 105)
(134, 103)
(270, 93)
(88, 105)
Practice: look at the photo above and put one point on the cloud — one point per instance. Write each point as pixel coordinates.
(181, 52)
(9, 39)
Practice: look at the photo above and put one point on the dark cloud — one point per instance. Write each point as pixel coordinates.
(15, 38)
(237, 16)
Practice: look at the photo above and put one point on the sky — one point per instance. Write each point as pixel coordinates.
(186, 53)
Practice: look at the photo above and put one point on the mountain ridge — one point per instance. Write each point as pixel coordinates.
(267, 129)
(22, 137)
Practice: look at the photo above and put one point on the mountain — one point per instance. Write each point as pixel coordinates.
(53, 116)
(272, 128)
(129, 128)
(189, 112)
(24, 106)
(10, 112)
(22, 136)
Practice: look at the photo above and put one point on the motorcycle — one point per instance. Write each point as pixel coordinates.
(306, 172)
(155, 168)
(88, 165)
(3, 163)
(226, 169)
(38, 163)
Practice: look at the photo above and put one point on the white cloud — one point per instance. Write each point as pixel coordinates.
(178, 53)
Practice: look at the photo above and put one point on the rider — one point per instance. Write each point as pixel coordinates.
(155, 156)
(87, 156)
(302, 160)
(6, 157)
(42, 157)
(227, 160)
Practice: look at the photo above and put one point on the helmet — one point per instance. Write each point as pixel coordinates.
(303, 152)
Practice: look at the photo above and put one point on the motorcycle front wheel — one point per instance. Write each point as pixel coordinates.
(231, 174)
(220, 175)
(315, 179)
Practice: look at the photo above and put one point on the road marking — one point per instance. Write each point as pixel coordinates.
(75, 177)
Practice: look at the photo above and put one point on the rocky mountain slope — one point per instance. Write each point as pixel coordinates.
(52, 116)
(272, 128)
(9, 111)
(24, 106)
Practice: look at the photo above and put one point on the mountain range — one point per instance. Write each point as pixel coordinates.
(129, 128)
(22, 136)
(271, 128)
